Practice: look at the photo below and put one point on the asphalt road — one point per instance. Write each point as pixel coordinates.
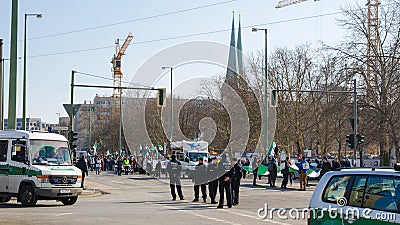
(139, 199)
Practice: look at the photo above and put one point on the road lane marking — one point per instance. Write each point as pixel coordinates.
(64, 214)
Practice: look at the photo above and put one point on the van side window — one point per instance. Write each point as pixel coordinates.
(357, 191)
(3, 150)
(382, 193)
(336, 189)
(19, 152)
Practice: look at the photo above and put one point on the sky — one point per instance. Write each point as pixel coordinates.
(80, 35)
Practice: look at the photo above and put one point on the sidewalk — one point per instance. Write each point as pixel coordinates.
(93, 189)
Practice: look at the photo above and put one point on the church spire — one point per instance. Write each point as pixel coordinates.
(239, 50)
(232, 64)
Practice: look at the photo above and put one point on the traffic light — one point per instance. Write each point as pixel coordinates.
(161, 97)
(72, 136)
(350, 140)
(274, 98)
(360, 139)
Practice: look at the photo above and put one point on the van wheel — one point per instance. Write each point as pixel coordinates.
(70, 200)
(27, 196)
(5, 199)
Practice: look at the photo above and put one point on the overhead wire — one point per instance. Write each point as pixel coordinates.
(107, 78)
(192, 35)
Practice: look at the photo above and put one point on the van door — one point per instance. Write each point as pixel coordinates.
(4, 168)
(19, 165)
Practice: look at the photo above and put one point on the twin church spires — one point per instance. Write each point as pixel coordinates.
(235, 59)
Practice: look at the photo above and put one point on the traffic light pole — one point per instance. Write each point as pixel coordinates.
(71, 115)
(355, 123)
(71, 112)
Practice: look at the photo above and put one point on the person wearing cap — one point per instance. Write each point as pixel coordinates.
(236, 176)
(174, 169)
(224, 168)
(200, 181)
(212, 178)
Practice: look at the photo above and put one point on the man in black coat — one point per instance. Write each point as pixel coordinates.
(82, 165)
(326, 166)
(236, 176)
(212, 178)
(200, 181)
(224, 168)
(174, 169)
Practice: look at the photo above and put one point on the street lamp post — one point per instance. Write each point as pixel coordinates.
(266, 86)
(170, 123)
(90, 124)
(24, 81)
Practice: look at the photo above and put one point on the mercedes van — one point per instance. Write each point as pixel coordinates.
(37, 166)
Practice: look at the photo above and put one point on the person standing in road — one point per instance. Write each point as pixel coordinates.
(200, 181)
(158, 169)
(326, 166)
(174, 169)
(98, 165)
(254, 167)
(304, 166)
(237, 175)
(126, 165)
(224, 168)
(273, 171)
(285, 172)
(246, 163)
(335, 163)
(82, 165)
(166, 162)
(120, 162)
(212, 177)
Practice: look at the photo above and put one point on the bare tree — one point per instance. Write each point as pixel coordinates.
(379, 73)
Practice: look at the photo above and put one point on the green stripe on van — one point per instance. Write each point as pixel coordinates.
(14, 170)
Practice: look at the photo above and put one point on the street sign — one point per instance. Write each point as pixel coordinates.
(67, 107)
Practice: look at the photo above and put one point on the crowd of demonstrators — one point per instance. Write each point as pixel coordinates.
(118, 164)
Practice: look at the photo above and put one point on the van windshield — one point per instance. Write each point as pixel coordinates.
(46, 152)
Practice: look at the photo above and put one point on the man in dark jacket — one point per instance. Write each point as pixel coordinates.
(82, 165)
(174, 169)
(200, 181)
(273, 171)
(236, 176)
(254, 167)
(212, 178)
(224, 168)
(285, 164)
(326, 166)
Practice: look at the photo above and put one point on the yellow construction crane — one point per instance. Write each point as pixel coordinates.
(116, 62)
(284, 3)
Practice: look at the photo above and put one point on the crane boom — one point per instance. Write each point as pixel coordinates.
(284, 3)
(124, 46)
(116, 62)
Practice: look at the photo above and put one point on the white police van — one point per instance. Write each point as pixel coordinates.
(37, 166)
(357, 196)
